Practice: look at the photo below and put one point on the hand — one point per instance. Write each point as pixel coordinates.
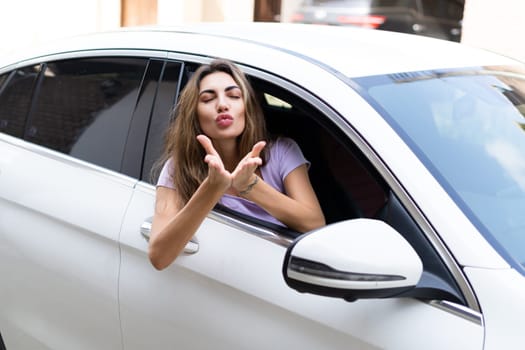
(243, 174)
(217, 174)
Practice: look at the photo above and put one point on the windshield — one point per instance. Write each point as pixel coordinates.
(468, 128)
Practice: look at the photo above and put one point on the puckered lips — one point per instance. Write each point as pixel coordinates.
(224, 120)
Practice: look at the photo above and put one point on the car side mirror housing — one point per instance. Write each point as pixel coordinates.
(353, 259)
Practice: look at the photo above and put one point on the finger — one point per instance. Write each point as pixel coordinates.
(257, 148)
(215, 164)
(252, 162)
(209, 158)
(207, 144)
(247, 167)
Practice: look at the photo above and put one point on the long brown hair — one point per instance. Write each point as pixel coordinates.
(189, 168)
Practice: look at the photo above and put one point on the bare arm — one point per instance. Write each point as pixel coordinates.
(173, 226)
(299, 209)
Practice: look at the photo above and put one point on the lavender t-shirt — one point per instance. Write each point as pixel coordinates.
(283, 156)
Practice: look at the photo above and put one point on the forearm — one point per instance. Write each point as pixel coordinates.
(169, 238)
(293, 213)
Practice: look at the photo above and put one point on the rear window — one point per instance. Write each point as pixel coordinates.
(84, 107)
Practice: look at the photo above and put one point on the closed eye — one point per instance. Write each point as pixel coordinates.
(207, 97)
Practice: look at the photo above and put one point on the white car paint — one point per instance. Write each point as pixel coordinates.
(59, 224)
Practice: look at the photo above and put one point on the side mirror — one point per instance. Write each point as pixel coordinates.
(361, 258)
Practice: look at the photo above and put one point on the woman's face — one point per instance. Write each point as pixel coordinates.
(221, 107)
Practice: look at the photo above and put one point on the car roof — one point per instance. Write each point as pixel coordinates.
(353, 52)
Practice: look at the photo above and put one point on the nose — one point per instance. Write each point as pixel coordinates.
(222, 103)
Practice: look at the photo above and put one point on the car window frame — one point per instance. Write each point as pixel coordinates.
(135, 147)
(158, 123)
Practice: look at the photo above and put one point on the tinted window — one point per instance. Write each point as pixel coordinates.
(83, 107)
(164, 103)
(15, 96)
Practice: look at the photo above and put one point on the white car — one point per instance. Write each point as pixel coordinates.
(417, 148)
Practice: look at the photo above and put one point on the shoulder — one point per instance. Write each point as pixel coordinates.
(282, 143)
(285, 155)
(282, 148)
(166, 175)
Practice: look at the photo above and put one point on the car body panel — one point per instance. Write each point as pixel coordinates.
(59, 225)
(194, 303)
(502, 294)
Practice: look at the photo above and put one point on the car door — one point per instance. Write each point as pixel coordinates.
(227, 289)
(62, 200)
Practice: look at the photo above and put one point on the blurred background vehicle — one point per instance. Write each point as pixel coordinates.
(435, 18)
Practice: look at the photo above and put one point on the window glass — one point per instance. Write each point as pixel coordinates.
(164, 103)
(84, 107)
(15, 97)
(467, 127)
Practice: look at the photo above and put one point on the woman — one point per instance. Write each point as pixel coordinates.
(230, 164)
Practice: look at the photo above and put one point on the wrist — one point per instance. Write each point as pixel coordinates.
(215, 185)
(250, 186)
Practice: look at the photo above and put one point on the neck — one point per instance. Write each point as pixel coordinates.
(229, 153)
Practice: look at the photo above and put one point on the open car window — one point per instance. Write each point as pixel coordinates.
(345, 185)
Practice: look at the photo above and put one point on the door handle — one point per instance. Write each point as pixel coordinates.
(191, 247)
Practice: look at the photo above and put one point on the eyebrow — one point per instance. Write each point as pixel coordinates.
(211, 91)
